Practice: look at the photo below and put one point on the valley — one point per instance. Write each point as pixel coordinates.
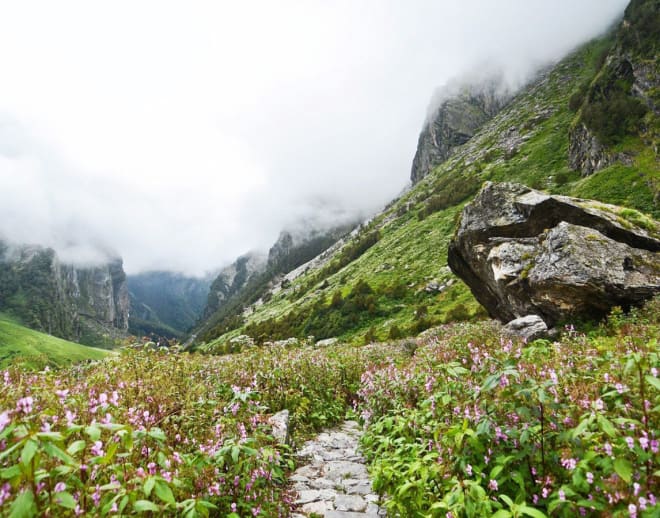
(485, 344)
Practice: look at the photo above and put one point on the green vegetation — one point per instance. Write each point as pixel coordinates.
(159, 434)
(462, 421)
(36, 350)
(475, 425)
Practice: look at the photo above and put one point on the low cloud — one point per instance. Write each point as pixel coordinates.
(180, 136)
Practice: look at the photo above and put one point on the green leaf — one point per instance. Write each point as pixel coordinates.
(606, 425)
(502, 513)
(530, 511)
(157, 434)
(234, 453)
(653, 381)
(93, 432)
(164, 492)
(141, 506)
(76, 446)
(148, 485)
(507, 500)
(624, 469)
(65, 500)
(51, 436)
(11, 472)
(589, 504)
(23, 506)
(496, 471)
(28, 452)
(581, 427)
(54, 452)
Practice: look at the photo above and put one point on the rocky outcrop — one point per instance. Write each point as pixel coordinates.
(523, 252)
(460, 110)
(587, 155)
(89, 304)
(623, 91)
(232, 279)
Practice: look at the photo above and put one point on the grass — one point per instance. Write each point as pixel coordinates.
(33, 349)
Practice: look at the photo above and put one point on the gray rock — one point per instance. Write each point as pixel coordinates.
(343, 514)
(327, 342)
(350, 503)
(523, 252)
(457, 111)
(308, 495)
(321, 508)
(338, 470)
(528, 328)
(280, 424)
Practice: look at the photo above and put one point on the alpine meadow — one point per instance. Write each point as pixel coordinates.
(485, 343)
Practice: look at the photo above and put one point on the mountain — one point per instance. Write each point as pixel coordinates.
(87, 304)
(462, 108)
(36, 350)
(232, 279)
(166, 303)
(390, 277)
(252, 276)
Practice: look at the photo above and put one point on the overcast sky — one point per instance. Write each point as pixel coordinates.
(182, 134)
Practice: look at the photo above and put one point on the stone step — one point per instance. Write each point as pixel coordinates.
(333, 481)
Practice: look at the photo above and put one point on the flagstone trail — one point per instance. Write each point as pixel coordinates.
(334, 482)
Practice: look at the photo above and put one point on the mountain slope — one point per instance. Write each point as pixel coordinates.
(463, 107)
(391, 278)
(251, 278)
(88, 304)
(165, 303)
(37, 349)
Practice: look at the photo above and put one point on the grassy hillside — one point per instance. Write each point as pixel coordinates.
(400, 257)
(33, 349)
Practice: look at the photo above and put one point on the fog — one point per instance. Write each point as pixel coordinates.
(182, 134)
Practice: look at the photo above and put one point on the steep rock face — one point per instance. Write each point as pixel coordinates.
(623, 91)
(86, 304)
(523, 252)
(232, 279)
(461, 111)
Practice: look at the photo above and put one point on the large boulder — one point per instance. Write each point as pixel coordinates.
(523, 252)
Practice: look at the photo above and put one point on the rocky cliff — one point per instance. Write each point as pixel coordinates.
(621, 101)
(458, 111)
(232, 279)
(85, 304)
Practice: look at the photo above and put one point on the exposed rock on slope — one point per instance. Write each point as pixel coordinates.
(232, 279)
(461, 111)
(615, 104)
(523, 252)
(86, 304)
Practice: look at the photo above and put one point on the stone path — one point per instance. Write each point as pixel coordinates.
(334, 482)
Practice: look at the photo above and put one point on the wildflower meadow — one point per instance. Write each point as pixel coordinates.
(461, 421)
